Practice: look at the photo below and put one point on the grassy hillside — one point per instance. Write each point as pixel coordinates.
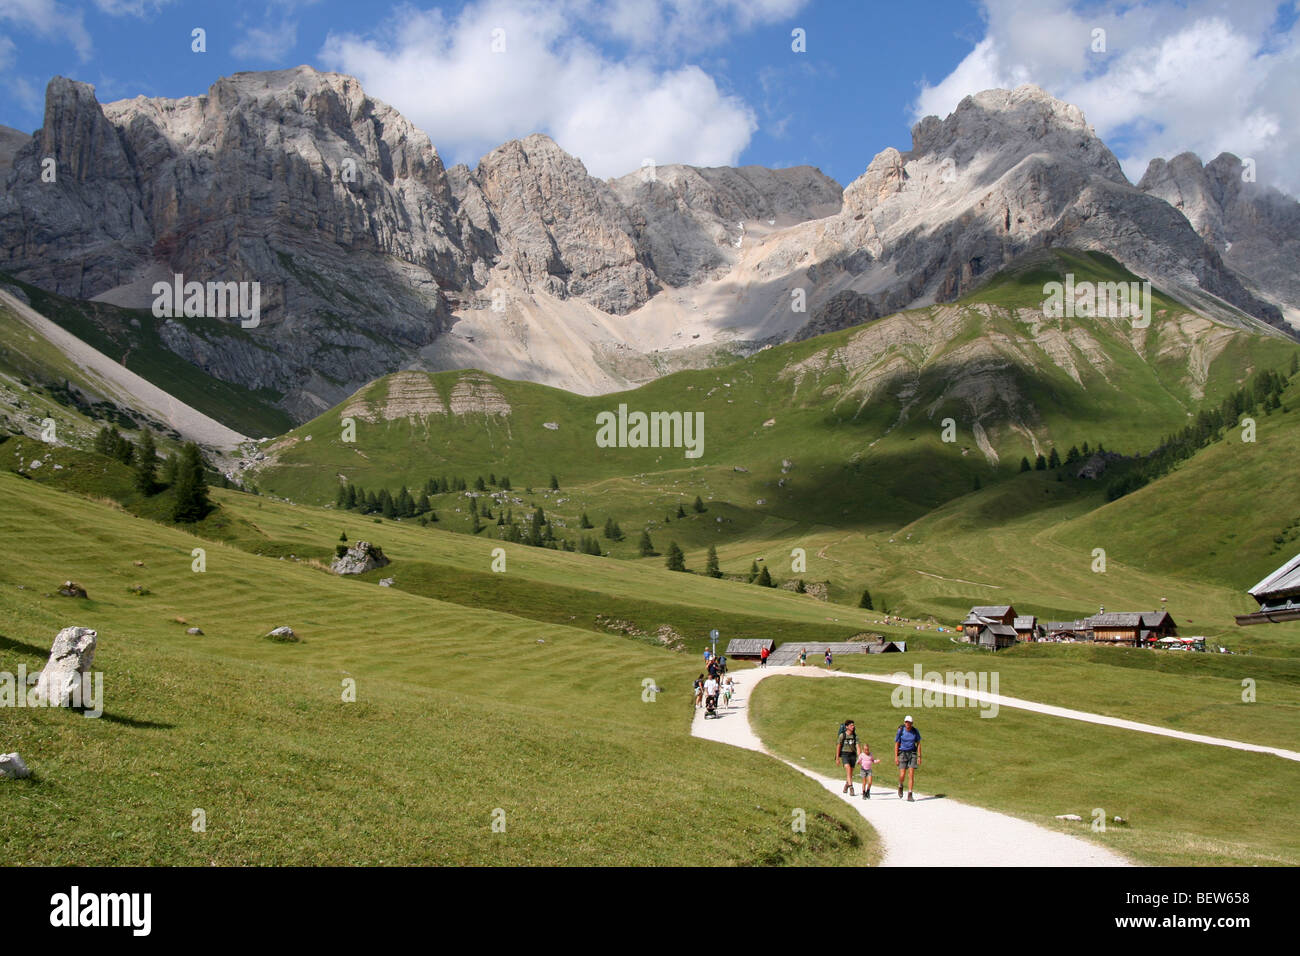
(458, 713)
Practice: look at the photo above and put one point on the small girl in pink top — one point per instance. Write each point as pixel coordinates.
(865, 763)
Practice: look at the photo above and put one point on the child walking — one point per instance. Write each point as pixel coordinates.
(865, 763)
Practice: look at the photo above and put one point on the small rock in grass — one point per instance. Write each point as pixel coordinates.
(386, 582)
(12, 767)
(283, 633)
(72, 589)
(196, 631)
(1069, 816)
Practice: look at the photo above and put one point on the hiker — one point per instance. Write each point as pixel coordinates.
(803, 657)
(711, 692)
(865, 762)
(722, 663)
(726, 692)
(762, 656)
(828, 657)
(713, 669)
(907, 755)
(846, 753)
(699, 690)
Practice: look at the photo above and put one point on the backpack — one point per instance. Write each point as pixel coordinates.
(902, 727)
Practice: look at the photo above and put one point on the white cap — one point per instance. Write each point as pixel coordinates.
(907, 719)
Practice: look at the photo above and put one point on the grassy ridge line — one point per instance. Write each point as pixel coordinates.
(458, 712)
(1185, 804)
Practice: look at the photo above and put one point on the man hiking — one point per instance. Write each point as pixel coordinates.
(846, 753)
(907, 755)
(762, 656)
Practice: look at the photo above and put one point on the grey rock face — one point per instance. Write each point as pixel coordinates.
(71, 655)
(1007, 173)
(1255, 228)
(366, 248)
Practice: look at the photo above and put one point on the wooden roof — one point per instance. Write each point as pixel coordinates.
(749, 645)
(1282, 582)
(1025, 622)
(991, 610)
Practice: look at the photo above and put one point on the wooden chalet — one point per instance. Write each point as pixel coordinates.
(1027, 628)
(748, 648)
(1132, 628)
(1069, 630)
(981, 616)
(1278, 596)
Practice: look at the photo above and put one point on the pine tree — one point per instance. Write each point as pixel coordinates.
(492, 478)
(1072, 455)
(422, 506)
(753, 570)
(386, 505)
(479, 484)
(343, 537)
(1024, 464)
(711, 566)
(473, 507)
(372, 503)
(765, 578)
(191, 487)
(1085, 453)
(676, 560)
(865, 600)
(699, 505)
(505, 483)
(171, 467)
(681, 511)
(1295, 364)
(585, 522)
(1040, 463)
(555, 483)
(146, 466)
(341, 499)
(645, 546)
(609, 528)
(1054, 461)
(618, 532)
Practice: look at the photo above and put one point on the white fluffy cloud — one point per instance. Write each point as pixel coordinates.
(502, 69)
(49, 20)
(1175, 76)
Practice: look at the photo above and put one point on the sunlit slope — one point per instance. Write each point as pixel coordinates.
(459, 713)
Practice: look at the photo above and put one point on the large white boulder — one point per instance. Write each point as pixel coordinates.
(71, 655)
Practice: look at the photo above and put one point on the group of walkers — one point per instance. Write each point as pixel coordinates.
(715, 685)
(853, 753)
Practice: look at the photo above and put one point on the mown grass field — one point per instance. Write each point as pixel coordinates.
(1184, 804)
(458, 712)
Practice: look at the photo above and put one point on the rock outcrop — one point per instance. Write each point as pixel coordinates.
(360, 558)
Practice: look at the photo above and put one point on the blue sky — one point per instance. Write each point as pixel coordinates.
(619, 81)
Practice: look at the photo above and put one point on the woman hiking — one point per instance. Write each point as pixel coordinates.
(846, 753)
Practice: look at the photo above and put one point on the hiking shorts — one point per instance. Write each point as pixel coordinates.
(906, 759)
(849, 757)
